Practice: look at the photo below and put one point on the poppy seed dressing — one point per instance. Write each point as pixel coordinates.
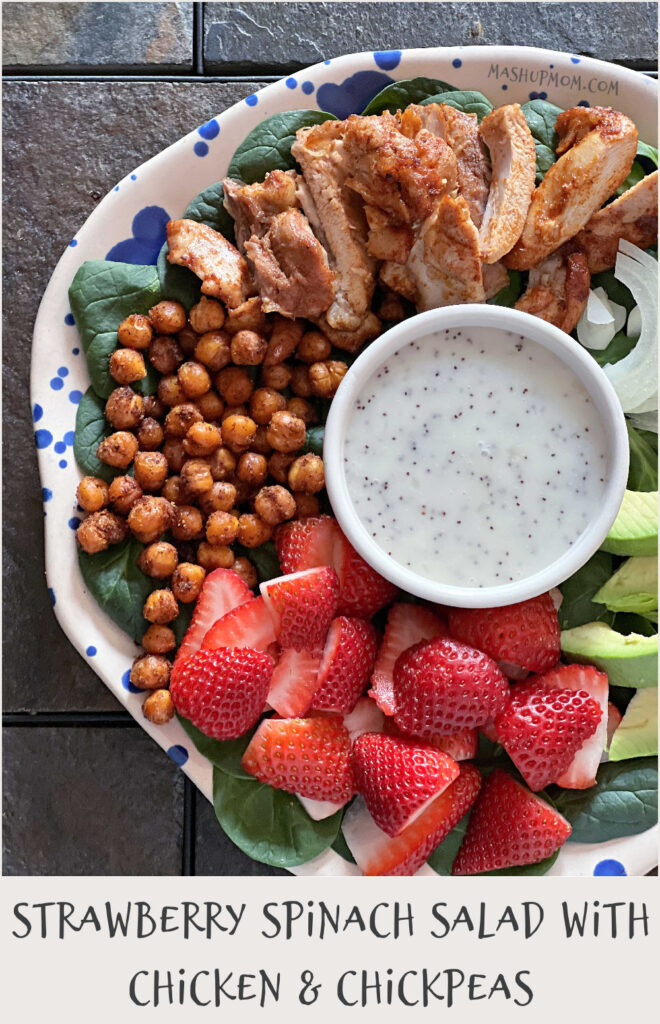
(475, 457)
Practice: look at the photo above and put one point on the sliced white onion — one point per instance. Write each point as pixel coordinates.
(594, 336)
(619, 313)
(634, 328)
(598, 307)
(635, 378)
(645, 420)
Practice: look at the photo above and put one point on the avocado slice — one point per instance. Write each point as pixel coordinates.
(637, 734)
(628, 660)
(635, 529)
(633, 587)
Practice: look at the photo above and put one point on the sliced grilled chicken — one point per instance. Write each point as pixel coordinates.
(445, 261)
(558, 288)
(254, 206)
(350, 341)
(633, 216)
(513, 160)
(495, 278)
(223, 271)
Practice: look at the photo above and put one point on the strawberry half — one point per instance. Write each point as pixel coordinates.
(307, 543)
(581, 772)
(461, 745)
(222, 691)
(363, 590)
(508, 827)
(376, 853)
(407, 624)
(307, 756)
(250, 625)
(294, 681)
(348, 658)
(542, 729)
(303, 605)
(398, 778)
(526, 635)
(223, 590)
(442, 685)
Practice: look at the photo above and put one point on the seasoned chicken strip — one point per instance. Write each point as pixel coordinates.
(445, 261)
(350, 341)
(388, 240)
(398, 277)
(513, 159)
(474, 173)
(222, 269)
(633, 216)
(495, 278)
(337, 216)
(597, 147)
(558, 288)
(254, 206)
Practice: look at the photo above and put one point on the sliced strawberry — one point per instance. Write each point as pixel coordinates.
(489, 731)
(222, 691)
(526, 635)
(250, 625)
(365, 717)
(303, 605)
(543, 729)
(442, 685)
(461, 745)
(363, 590)
(307, 543)
(223, 590)
(376, 853)
(614, 718)
(294, 681)
(581, 772)
(306, 756)
(407, 624)
(508, 827)
(348, 658)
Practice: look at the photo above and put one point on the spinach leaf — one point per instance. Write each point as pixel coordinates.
(541, 118)
(635, 175)
(176, 282)
(618, 348)
(264, 559)
(314, 440)
(444, 855)
(340, 846)
(91, 428)
(399, 95)
(119, 587)
(182, 621)
(647, 152)
(577, 608)
(207, 207)
(643, 472)
(628, 622)
(269, 825)
(224, 754)
(623, 802)
(508, 295)
(101, 295)
(268, 146)
(615, 289)
(467, 100)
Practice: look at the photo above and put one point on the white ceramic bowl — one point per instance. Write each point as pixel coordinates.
(568, 352)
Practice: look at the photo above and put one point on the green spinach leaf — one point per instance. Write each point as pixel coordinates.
(314, 440)
(618, 348)
(263, 558)
(643, 472)
(577, 608)
(340, 846)
(269, 825)
(176, 282)
(182, 621)
(510, 294)
(91, 428)
(623, 802)
(268, 146)
(224, 754)
(635, 175)
(647, 152)
(615, 290)
(541, 118)
(207, 208)
(118, 586)
(467, 100)
(628, 622)
(399, 95)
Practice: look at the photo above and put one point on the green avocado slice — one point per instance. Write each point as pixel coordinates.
(633, 587)
(635, 529)
(637, 734)
(628, 660)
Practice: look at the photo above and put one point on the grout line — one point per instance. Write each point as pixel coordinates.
(188, 848)
(198, 38)
(20, 76)
(68, 719)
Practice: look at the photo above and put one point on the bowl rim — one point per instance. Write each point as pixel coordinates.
(557, 343)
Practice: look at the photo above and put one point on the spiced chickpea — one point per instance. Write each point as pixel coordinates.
(278, 466)
(188, 523)
(222, 463)
(306, 474)
(194, 378)
(213, 350)
(286, 432)
(187, 581)
(234, 384)
(253, 531)
(303, 409)
(165, 353)
(263, 403)
(123, 492)
(300, 383)
(180, 419)
(283, 340)
(159, 639)
(149, 435)
(127, 366)
(172, 490)
(202, 439)
(249, 316)
(158, 560)
(170, 391)
(252, 469)
(276, 377)
(150, 517)
(313, 347)
(99, 530)
(161, 607)
(221, 528)
(150, 470)
(124, 408)
(187, 340)
(168, 317)
(174, 453)
(248, 348)
(135, 331)
(211, 406)
(306, 505)
(207, 315)
(158, 708)
(118, 449)
(92, 494)
(219, 498)
(275, 504)
(326, 377)
(215, 556)
(153, 407)
(150, 672)
(238, 432)
(243, 566)
(196, 477)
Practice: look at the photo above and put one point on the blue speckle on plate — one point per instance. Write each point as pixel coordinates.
(63, 372)
(59, 447)
(209, 130)
(133, 177)
(307, 88)
(178, 754)
(73, 243)
(116, 188)
(327, 62)
(62, 463)
(42, 438)
(353, 94)
(46, 494)
(69, 437)
(457, 62)
(251, 100)
(37, 412)
(584, 103)
(73, 523)
(538, 95)
(291, 83)
(149, 236)
(75, 396)
(387, 59)
(127, 684)
(575, 60)
(200, 149)
(57, 384)
(68, 319)
(610, 867)
(75, 351)
(51, 594)
(91, 651)
(504, 88)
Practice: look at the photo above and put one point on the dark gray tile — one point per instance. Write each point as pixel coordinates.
(215, 854)
(89, 801)
(279, 36)
(113, 36)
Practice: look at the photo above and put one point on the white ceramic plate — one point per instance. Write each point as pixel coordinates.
(128, 224)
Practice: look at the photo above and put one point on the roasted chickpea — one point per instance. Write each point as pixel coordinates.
(210, 405)
(221, 528)
(306, 505)
(150, 672)
(161, 607)
(172, 490)
(135, 331)
(253, 531)
(234, 384)
(153, 407)
(283, 340)
(260, 444)
(202, 439)
(149, 518)
(92, 494)
(207, 315)
(188, 523)
(220, 498)
(187, 581)
(180, 419)
(248, 348)
(174, 453)
(213, 350)
(303, 409)
(168, 317)
(127, 366)
(326, 377)
(249, 316)
(158, 560)
(215, 556)
(165, 354)
(275, 504)
(286, 432)
(123, 492)
(264, 402)
(159, 639)
(252, 469)
(118, 449)
(306, 474)
(149, 435)
(313, 347)
(243, 566)
(124, 408)
(194, 379)
(300, 383)
(222, 463)
(277, 377)
(278, 466)
(99, 530)
(187, 340)
(238, 432)
(196, 477)
(391, 308)
(158, 708)
(150, 470)
(170, 391)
